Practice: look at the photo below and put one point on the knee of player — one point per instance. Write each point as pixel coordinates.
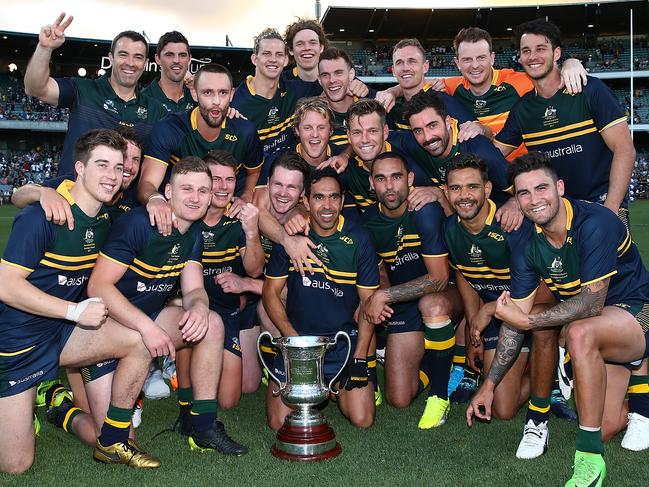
(611, 427)
(434, 305)
(362, 419)
(504, 410)
(229, 402)
(215, 330)
(579, 339)
(20, 465)
(275, 422)
(399, 401)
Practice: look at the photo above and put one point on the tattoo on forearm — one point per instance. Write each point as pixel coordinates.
(415, 289)
(589, 302)
(509, 346)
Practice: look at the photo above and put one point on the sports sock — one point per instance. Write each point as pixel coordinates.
(459, 355)
(567, 365)
(438, 354)
(116, 425)
(538, 409)
(203, 414)
(371, 370)
(638, 392)
(589, 440)
(185, 396)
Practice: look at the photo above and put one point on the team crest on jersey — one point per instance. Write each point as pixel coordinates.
(141, 112)
(322, 253)
(175, 249)
(189, 106)
(90, 236)
(272, 115)
(475, 252)
(550, 116)
(208, 235)
(109, 105)
(557, 265)
(480, 103)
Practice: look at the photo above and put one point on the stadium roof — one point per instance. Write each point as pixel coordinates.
(575, 20)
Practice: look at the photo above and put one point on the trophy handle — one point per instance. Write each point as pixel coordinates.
(261, 357)
(349, 351)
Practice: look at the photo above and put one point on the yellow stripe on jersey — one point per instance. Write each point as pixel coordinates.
(67, 258)
(561, 137)
(483, 268)
(12, 264)
(599, 278)
(506, 277)
(278, 126)
(159, 275)
(19, 352)
(66, 267)
(157, 269)
(558, 130)
(567, 285)
(218, 253)
(227, 258)
(614, 122)
(146, 156)
(114, 260)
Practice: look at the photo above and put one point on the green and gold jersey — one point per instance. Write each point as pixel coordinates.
(185, 103)
(222, 245)
(568, 130)
(153, 262)
(271, 117)
(177, 136)
(59, 262)
(597, 246)
(483, 259)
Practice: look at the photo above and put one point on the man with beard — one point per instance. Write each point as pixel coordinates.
(327, 301)
(195, 133)
(107, 102)
(585, 135)
(481, 251)
(414, 296)
(173, 57)
(586, 256)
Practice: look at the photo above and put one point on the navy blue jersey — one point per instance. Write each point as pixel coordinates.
(597, 246)
(567, 129)
(94, 104)
(324, 303)
(177, 136)
(153, 262)
(484, 259)
(301, 88)
(185, 103)
(59, 262)
(222, 244)
(404, 241)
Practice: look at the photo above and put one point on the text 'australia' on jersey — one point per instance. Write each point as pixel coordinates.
(483, 259)
(59, 262)
(403, 242)
(567, 129)
(153, 262)
(324, 303)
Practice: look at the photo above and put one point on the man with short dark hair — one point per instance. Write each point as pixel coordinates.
(39, 312)
(107, 102)
(326, 302)
(586, 256)
(195, 133)
(173, 56)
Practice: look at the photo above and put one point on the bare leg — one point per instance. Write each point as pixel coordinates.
(251, 368)
(230, 385)
(17, 432)
(358, 406)
(513, 391)
(403, 354)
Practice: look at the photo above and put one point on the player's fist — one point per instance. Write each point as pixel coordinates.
(90, 313)
(52, 36)
(249, 218)
(158, 343)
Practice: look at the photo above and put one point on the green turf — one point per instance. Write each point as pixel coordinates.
(393, 452)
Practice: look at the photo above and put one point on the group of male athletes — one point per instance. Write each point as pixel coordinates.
(306, 203)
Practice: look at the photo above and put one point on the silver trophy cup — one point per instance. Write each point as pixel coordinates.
(305, 435)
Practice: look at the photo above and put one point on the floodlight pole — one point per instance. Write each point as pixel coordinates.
(317, 9)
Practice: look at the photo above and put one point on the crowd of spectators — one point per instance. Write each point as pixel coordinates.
(18, 168)
(640, 178)
(15, 105)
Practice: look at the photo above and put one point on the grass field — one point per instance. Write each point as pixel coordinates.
(393, 452)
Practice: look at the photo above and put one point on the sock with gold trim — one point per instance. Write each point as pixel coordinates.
(116, 425)
(438, 355)
(638, 392)
(538, 409)
(203, 414)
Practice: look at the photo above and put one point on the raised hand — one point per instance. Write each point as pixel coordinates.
(52, 36)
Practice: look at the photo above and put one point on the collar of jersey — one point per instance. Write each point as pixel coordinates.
(298, 149)
(193, 119)
(339, 227)
(569, 216)
(64, 190)
(111, 92)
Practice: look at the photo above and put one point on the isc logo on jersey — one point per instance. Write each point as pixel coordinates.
(71, 281)
(158, 288)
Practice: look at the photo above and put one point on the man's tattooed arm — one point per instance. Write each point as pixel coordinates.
(589, 302)
(415, 289)
(509, 346)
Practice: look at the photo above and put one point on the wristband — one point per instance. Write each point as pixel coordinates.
(75, 310)
(156, 195)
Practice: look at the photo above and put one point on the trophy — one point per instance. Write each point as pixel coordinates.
(305, 434)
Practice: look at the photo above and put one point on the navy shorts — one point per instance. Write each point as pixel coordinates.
(27, 367)
(334, 360)
(249, 318)
(640, 312)
(232, 325)
(406, 318)
(94, 372)
(490, 336)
